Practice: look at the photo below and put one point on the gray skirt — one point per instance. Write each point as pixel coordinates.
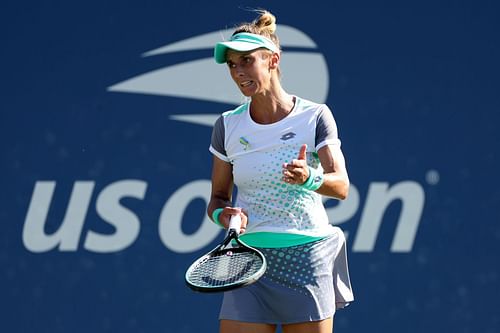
(302, 283)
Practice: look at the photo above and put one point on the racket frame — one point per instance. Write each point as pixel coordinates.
(232, 234)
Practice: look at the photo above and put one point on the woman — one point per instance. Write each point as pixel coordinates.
(282, 153)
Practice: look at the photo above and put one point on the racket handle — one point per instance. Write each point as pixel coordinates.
(235, 223)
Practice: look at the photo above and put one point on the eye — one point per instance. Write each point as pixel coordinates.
(231, 64)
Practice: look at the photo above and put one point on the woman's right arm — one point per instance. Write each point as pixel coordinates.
(222, 190)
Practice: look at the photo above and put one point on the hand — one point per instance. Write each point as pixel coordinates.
(297, 171)
(227, 212)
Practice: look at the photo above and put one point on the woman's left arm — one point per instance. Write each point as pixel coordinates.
(335, 181)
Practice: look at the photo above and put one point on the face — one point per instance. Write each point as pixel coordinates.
(251, 71)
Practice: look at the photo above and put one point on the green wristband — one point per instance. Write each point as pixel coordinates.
(215, 216)
(314, 181)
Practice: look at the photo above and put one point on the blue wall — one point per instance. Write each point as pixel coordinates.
(105, 168)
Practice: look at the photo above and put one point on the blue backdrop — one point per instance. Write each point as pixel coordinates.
(105, 119)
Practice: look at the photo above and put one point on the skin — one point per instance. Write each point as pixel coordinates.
(256, 75)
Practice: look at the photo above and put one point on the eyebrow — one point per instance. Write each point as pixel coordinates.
(238, 56)
(241, 54)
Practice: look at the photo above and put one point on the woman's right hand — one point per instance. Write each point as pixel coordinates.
(227, 212)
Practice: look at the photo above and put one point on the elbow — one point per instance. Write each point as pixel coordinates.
(343, 191)
(338, 189)
(343, 195)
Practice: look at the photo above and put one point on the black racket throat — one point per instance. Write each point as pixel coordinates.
(231, 235)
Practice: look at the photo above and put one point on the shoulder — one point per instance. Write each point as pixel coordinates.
(226, 116)
(234, 117)
(237, 111)
(310, 106)
(313, 109)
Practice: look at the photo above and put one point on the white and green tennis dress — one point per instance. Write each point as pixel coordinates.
(287, 221)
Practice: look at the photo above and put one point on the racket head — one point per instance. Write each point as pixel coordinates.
(226, 269)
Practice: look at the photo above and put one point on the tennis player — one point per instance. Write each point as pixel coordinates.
(282, 152)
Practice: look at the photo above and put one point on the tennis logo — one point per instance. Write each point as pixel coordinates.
(288, 136)
(301, 63)
(71, 234)
(245, 143)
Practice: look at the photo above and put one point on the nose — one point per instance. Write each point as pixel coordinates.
(239, 71)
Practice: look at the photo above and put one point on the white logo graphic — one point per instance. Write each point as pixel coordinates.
(127, 224)
(305, 74)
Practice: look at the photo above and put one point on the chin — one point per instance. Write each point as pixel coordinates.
(247, 93)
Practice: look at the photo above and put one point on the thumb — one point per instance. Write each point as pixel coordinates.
(302, 152)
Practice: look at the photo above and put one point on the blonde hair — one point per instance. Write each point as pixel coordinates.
(264, 25)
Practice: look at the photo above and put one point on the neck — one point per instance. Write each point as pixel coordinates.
(271, 107)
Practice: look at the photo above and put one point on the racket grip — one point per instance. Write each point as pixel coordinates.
(235, 223)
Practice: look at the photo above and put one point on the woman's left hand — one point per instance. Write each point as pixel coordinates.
(297, 171)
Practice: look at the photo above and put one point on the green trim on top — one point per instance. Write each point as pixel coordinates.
(275, 240)
(240, 109)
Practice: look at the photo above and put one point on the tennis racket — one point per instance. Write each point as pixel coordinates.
(231, 265)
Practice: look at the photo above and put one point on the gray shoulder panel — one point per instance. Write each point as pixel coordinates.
(326, 128)
(218, 135)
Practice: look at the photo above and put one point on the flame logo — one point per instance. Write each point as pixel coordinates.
(305, 73)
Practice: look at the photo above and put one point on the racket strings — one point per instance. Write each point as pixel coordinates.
(226, 268)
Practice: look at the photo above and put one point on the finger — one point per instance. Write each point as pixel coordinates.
(244, 218)
(295, 164)
(226, 214)
(244, 221)
(232, 210)
(302, 152)
(291, 179)
(288, 175)
(295, 174)
(295, 170)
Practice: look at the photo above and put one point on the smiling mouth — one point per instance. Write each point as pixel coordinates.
(245, 83)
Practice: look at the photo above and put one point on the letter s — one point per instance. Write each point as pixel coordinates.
(108, 207)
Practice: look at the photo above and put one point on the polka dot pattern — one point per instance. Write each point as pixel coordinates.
(301, 284)
(269, 197)
(306, 269)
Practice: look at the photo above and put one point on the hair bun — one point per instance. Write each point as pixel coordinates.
(266, 23)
